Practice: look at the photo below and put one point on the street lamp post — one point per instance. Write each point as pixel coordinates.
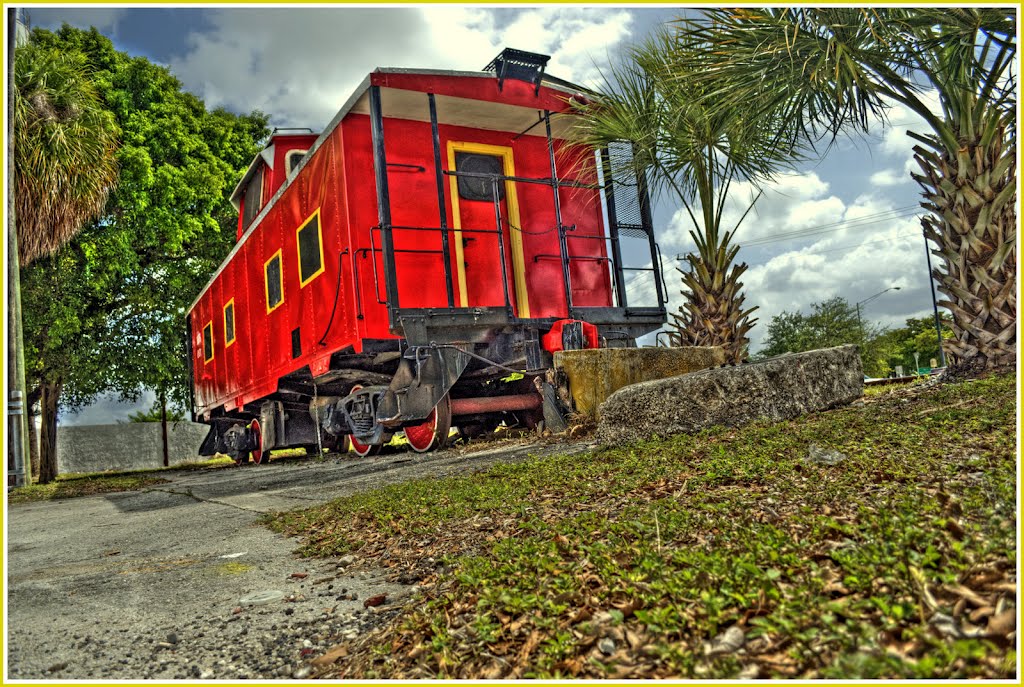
(860, 324)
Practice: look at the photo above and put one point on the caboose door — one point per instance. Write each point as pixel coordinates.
(478, 254)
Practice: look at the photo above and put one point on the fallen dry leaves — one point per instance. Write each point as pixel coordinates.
(613, 619)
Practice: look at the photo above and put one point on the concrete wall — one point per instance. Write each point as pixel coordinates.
(131, 446)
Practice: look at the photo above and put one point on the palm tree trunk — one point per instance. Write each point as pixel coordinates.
(49, 403)
(713, 314)
(972, 224)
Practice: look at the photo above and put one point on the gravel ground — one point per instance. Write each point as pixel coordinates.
(180, 582)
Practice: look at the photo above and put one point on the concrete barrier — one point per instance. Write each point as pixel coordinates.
(595, 374)
(130, 446)
(778, 388)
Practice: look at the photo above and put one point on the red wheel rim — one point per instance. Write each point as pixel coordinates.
(257, 453)
(359, 447)
(421, 437)
(433, 432)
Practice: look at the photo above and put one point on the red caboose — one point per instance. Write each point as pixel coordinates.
(393, 270)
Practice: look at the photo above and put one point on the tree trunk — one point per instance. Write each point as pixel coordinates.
(713, 314)
(163, 426)
(972, 226)
(48, 403)
(33, 433)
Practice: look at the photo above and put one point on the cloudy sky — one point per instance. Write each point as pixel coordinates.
(846, 225)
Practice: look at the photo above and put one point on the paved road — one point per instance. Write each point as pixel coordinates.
(149, 584)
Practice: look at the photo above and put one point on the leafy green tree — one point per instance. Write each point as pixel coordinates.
(831, 323)
(834, 322)
(837, 69)
(898, 346)
(692, 148)
(106, 314)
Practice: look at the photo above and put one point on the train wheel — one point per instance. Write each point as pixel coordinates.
(362, 449)
(359, 447)
(433, 432)
(257, 453)
(338, 444)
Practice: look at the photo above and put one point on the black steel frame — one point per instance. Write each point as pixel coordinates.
(414, 322)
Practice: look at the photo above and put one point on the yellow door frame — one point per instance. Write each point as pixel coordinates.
(511, 202)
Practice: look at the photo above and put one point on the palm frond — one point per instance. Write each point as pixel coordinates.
(64, 150)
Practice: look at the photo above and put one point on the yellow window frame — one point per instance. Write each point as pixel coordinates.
(266, 281)
(208, 336)
(227, 341)
(320, 243)
(511, 202)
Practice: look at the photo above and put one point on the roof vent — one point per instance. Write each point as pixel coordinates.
(519, 64)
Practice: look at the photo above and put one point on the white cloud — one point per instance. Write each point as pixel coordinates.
(791, 201)
(867, 244)
(854, 262)
(299, 66)
(895, 142)
(889, 177)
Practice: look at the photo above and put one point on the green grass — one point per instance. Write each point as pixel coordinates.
(73, 485)
(829, 571)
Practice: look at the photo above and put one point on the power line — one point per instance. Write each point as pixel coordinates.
(858, 245)
(898, 213)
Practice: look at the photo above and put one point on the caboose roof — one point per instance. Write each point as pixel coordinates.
(403, 97)
(406, 103)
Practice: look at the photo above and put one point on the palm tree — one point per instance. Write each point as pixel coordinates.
(65, 144)
(836, 70)
(64, 167)
(685, 147)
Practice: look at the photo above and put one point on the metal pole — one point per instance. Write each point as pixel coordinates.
(563, 247)
(380, 171)
(935, 304)
(648, 223)
(501, 244)
(613, 227)
(17, 423)
(867, 300)
(440, 201)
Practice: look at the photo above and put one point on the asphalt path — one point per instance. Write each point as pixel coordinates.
(181, 581)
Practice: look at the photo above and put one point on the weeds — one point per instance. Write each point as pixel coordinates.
(73, 485)
(724, 554)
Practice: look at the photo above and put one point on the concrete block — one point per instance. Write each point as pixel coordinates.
(775, 389)
(595, 374)
(129, 446)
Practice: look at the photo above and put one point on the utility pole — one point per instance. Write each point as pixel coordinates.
(17, 422)
(935, 304)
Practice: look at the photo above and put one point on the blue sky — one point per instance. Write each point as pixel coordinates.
(299, 64)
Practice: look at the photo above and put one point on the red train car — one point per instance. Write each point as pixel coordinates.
(392, 271)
